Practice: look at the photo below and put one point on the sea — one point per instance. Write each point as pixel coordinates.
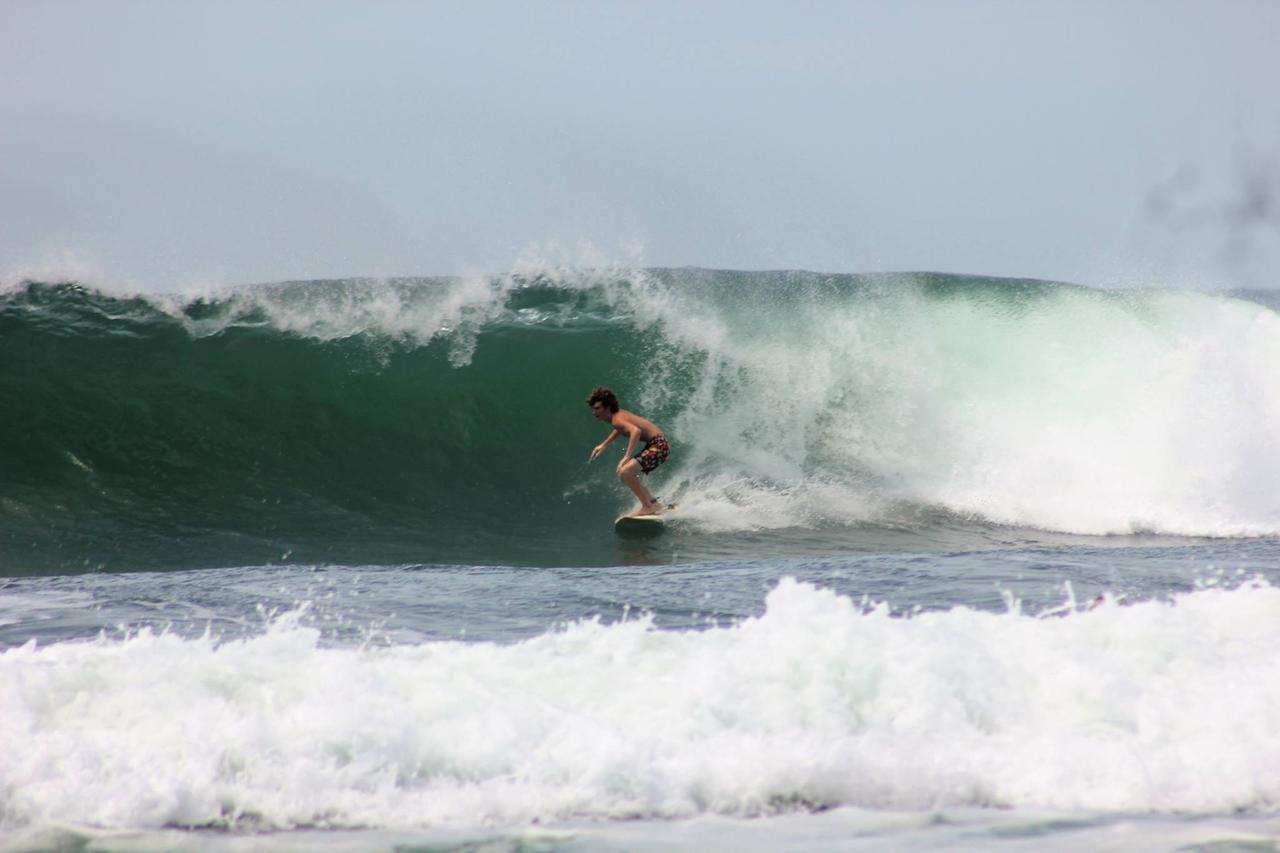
(959, 562)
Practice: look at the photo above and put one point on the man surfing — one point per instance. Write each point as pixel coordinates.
(604, 405)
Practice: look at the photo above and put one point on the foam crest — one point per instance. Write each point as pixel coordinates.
(413, 312)
(821, 701)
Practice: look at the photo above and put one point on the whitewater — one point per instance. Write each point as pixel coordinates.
(960, 562)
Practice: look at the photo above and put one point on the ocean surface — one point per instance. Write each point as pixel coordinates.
(959, 563)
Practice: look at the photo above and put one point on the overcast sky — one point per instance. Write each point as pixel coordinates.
(164, 145)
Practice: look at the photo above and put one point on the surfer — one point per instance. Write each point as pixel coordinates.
(604, 405)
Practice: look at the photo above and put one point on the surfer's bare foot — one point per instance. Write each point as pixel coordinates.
(655, 508)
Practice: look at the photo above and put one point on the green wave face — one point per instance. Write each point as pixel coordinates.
(444, 421)
(144, 437)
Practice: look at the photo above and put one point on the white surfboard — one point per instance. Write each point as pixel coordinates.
(643, 523)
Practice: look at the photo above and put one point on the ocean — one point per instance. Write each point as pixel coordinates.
(959, 563)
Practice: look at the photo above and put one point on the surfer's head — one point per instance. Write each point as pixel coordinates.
(603, 403)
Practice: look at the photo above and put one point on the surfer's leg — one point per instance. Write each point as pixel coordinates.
(630, 474)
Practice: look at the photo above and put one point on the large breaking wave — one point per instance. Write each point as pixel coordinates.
(442, 419)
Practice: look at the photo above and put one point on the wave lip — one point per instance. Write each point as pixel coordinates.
(1164, 707)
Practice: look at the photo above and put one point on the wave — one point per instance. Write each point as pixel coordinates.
(442, 419)
(821, 701)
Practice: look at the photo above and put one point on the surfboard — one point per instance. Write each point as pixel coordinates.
(642, 524)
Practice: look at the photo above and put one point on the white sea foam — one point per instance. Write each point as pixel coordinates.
(1074, 411)
(1153, 706)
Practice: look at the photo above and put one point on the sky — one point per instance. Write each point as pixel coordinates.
(171, 145)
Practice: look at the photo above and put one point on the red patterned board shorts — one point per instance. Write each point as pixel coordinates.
(654, 453)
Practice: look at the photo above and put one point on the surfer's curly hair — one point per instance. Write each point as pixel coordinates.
(601, 394)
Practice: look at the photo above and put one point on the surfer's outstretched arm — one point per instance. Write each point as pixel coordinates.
(599, 448)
